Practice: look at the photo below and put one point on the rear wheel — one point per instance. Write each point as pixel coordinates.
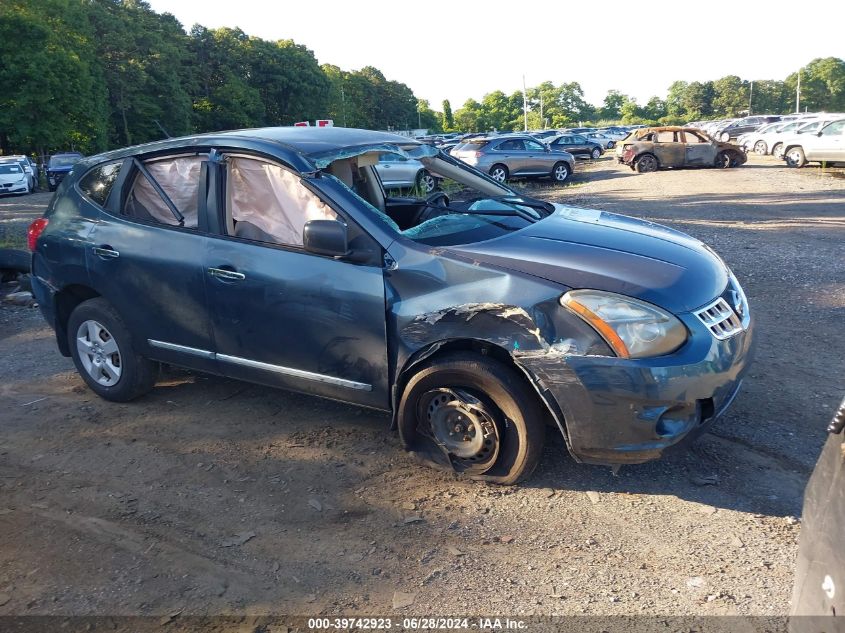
(426, 182)
(475, 415)
(777, 150)
(499, 173)
(760, 147)
(104, 354)
(595, 153)
(560, 172)
(795, 157)
(646, 163)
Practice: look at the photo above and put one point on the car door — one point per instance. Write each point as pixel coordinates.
(828, 144)
(512, 154)
(581, 145)
(538, 160)
(282, 316)
(699, 151)
(669, 149)
(149, 265)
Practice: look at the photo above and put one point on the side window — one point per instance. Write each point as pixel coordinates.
(533, 146)
(693, 138)
(511, 145)
(267, 203)
(665, 137)
(835, 128)
(179, 177)
(97, 183)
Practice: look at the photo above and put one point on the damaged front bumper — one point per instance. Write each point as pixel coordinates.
(623, 411)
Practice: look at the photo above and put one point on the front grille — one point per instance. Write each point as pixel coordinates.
(720, 319)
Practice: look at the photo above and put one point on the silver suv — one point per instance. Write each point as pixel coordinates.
(515, 156)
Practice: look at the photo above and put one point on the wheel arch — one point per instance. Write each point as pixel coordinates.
(66, 301)
(438, 349)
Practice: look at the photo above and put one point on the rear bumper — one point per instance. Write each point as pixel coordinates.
(619, 411)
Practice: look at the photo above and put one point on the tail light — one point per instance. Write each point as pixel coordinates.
(34, 232)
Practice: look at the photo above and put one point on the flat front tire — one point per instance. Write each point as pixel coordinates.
(474, 414)
(104, 354)
(646, 163)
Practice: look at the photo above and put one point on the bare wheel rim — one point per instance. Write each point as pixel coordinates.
(648, 163)
(561, 173)
(462, 426)
(98, 353)
(498, 174)
(427, 182)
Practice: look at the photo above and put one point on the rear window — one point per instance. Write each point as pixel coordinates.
(472, 146)
(64, 161)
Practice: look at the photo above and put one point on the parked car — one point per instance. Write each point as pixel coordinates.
(650, 149)
(820, 565)
(605, 141)
(59, 166)
(825, 146)
(397, 172)
(474, 321)
(577, 145)
(13, 178)
(515, 156)
(27, 165)
(748, 124)
(764, 142)
(811, 126)
(755, 140)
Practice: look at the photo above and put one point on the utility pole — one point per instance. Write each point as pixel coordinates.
(750, 95)
(343, 105)
(798, 94)
(524, 103)
(542, 120)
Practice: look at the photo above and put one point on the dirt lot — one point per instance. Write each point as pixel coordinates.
(211, 496)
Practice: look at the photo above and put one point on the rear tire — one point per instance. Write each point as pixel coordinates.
(595, 153)
(777, 150)
(761, 148)
(475, 413)
(104, 354)
(795, 157)
(426, 182)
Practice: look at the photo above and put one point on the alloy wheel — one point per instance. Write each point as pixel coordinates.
(99, 353)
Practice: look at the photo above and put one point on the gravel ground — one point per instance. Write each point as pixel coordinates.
(211, 496)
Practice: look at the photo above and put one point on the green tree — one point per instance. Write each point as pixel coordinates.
(612, 106)
(730, 96)
(448, 119)
(822, 85)
(51, 93)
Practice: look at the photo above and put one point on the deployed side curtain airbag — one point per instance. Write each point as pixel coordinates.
(180, 180)
(272, 199)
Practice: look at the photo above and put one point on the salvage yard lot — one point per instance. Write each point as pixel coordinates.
(212, 496)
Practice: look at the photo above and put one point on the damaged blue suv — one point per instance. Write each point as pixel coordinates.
(477, 316)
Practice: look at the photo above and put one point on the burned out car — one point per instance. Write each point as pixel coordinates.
(650, 149)
(476, 318)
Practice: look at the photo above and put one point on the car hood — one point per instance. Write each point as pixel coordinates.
(585, 248)
(6, 179)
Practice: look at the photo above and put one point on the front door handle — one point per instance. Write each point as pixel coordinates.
(226, 275)
(105, 252)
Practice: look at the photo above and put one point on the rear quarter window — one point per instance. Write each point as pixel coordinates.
(97, 183)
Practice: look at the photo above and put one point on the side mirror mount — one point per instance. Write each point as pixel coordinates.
(325, 237)
(819, 133)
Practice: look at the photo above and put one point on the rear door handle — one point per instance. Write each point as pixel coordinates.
(105, 252)
(226, 275)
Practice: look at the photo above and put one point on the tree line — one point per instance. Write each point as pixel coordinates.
(98, 74)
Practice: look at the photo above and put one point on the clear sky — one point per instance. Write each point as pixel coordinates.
(459, 49)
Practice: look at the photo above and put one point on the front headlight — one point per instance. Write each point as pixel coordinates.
(632, 328)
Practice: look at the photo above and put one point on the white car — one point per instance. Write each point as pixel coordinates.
(27, 165)
(13, 178)
(809, 126)
(764, 139)
(399, 172)
(825, 146)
